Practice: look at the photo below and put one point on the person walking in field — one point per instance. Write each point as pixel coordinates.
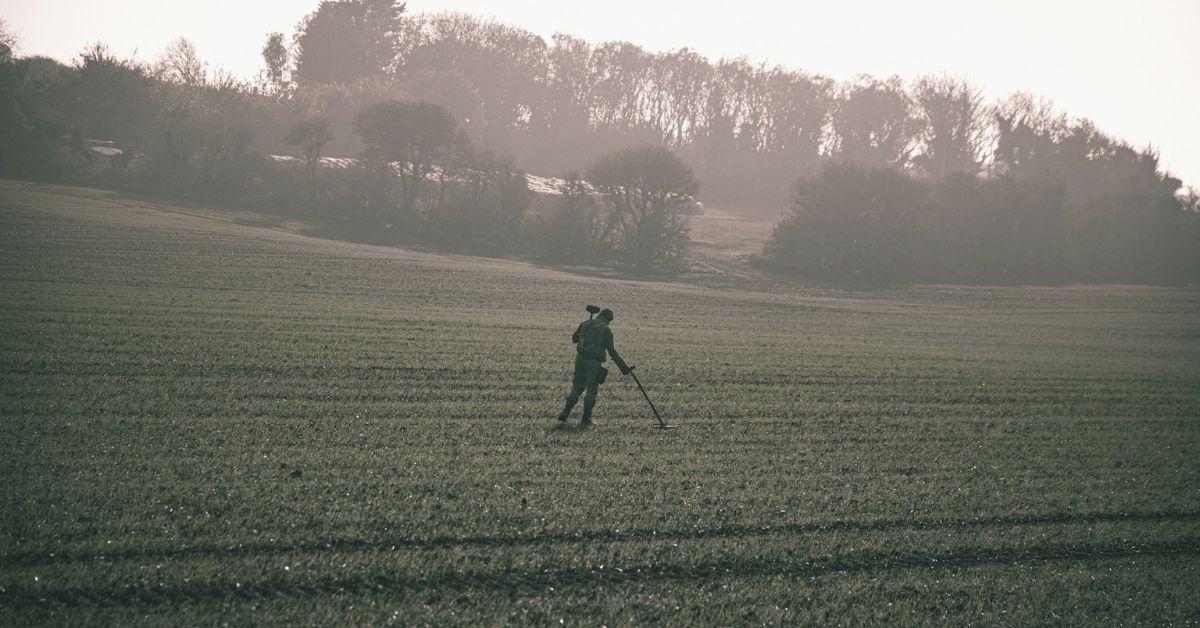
(593, 343)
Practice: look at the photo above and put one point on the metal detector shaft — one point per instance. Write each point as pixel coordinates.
(652, 408)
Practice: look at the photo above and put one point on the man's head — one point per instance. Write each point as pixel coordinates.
(606, 315)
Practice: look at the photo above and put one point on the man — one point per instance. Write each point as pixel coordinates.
(593, 340)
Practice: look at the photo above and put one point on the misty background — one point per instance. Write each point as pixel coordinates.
(435, 121)
(1120, 63)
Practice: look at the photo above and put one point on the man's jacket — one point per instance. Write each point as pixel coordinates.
(594, 339)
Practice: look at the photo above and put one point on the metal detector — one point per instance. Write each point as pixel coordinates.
(661, 424)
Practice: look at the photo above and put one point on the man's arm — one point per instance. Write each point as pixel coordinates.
(612, 352)
(578, 332)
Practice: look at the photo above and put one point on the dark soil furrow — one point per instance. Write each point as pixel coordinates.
(599, 536)
(22, 596)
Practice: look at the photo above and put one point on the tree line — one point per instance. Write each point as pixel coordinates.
(1011, 190)
(1061, 202)
(496, 96)
(415, 173)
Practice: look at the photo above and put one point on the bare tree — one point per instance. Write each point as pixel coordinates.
(797, 106)
(180, 63)
(568, 89)
(618, 77)
(504, 65)
(954, 125)
(873, 123)
(735, 106)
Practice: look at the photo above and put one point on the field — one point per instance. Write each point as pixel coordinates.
(208, 417)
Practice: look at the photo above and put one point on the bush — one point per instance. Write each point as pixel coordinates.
(479, 204)
(573, 232)
(847, 222)
(881, 225)
(646, 192)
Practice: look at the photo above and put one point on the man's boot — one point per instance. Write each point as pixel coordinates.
(586, 420)
(566, 411)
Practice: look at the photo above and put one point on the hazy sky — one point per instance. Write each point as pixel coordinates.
(1129, 65)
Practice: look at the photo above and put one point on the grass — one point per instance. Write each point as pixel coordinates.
(207, 421)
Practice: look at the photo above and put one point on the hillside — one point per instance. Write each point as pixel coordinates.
(211, 417)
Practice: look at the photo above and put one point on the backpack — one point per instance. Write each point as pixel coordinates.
(593, 340)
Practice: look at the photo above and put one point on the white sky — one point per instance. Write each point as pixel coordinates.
(1129, 65)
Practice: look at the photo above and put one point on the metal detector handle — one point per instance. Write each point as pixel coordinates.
(652, 408)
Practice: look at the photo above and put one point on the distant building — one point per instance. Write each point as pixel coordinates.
(543, 188)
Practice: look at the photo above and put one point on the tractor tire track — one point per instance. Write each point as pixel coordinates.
(592, 536)
(23, 597)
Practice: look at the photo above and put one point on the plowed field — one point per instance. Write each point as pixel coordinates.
(207, 417)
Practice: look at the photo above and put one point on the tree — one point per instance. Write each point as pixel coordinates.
(481, 205)
(796, 109)
(618, 81)
(8, 42)
(647, 191)
(346, 40)
(848, 221)
(1190, 200)
(111, 98)
(180, 63)
(952, 116)
(1124, 221)
(568, 91)
(873, 124)
(574, 230)
(410, 136)
(199, 142)
(310, 136)
(503, 67)
(1027, 133)
(35, 118)
(277, 57)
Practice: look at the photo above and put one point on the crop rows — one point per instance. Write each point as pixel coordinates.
(208, 421)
